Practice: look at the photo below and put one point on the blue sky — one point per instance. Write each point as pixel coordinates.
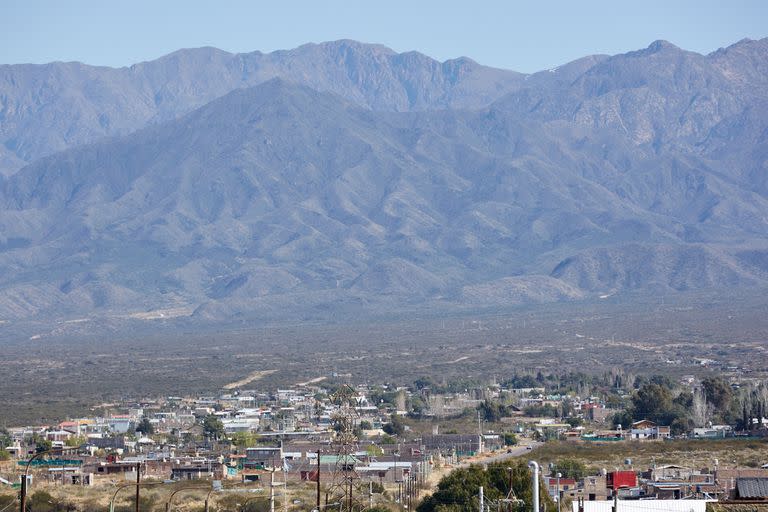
(524, 36)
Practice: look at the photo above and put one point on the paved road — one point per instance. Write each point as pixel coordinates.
(515, 451)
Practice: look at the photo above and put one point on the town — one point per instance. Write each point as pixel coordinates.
(326, 443)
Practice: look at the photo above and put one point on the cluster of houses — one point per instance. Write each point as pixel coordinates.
(290, 432)
(667, 482)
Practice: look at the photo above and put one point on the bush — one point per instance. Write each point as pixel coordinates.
(569, 468)
(259, 504)
(42, 501)
(574, 422)
(145, 503)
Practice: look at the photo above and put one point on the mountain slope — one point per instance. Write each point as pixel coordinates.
(51, 107)
(279, 199)
(373, 181)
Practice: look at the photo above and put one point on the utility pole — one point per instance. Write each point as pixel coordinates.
(482, 504)
(405, 491)
(23, 493)
(318, 480)
(272, 491)
(615, 507)
(410, 490)
(370, 494)
(413, 490)
(479, 433)
(138, 484)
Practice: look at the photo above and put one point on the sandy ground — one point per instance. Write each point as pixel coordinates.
(252, 377)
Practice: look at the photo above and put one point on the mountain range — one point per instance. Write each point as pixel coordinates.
(344, 177)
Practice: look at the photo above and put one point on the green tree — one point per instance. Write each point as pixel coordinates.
(719, 394)
(76, 441)
(521, 381)
(145, 427)
(652, 402)
(5, 438)
(380, 397)
(684, 399)
(244, 439)
(423, 382)
(417, 406)
(395, 427)
(510, 439)
(4, 455)
(365, 425)
(623, 418)
(656, 402)
(574, 422)
(41, 444)
(614, 401)
(569, 468)
(458, 491)
(664, 381)
(213, 428)
(491, 411)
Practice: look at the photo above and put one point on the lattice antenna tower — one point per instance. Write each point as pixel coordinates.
(511, 503)
(343, 491)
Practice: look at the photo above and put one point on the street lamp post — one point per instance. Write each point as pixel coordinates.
(535, 484)
(130, 484)
(207, 498)
(396, 455)
(559, 475)
(221, 489)
(170, 498)
(24, 479)
(23, 505)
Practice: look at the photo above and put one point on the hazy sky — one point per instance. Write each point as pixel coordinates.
(524, 36)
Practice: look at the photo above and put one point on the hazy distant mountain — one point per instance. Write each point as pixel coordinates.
(51, 107)
(644, 171)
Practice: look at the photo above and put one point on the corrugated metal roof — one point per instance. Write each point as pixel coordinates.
(645, 506)
(752, 487)
(333, 459)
